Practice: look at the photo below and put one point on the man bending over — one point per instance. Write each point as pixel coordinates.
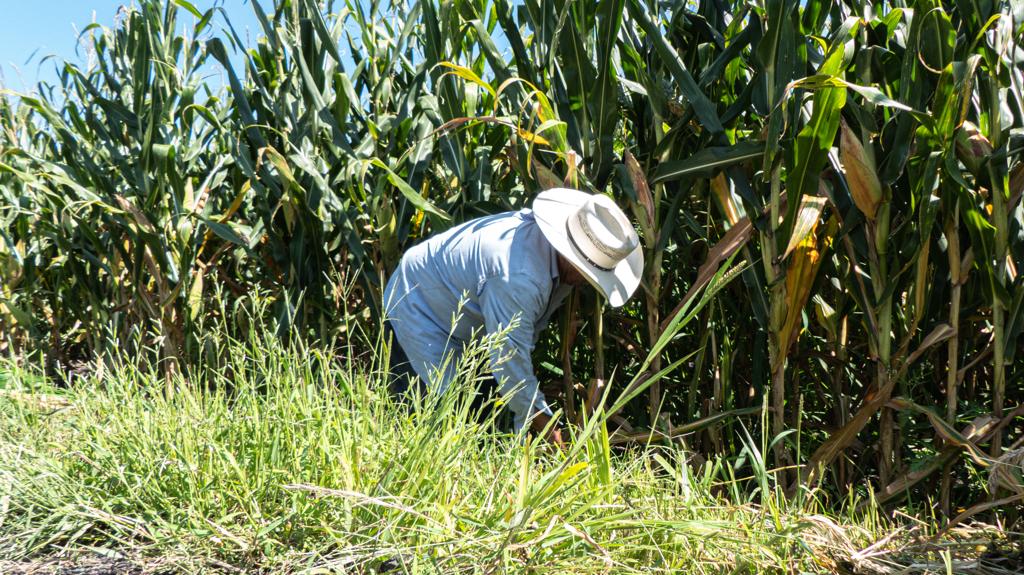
(507, 270)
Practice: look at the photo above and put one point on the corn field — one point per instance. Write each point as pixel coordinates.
(853, 168)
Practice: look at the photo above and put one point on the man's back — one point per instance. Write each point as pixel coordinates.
(477, 277)
(456, 265)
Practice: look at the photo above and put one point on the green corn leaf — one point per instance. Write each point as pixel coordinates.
(775, 55)
(750, 34)
(188, 6)
(410, 194)
(708, 161)
(702, 106)
(605, 102)
(241, 96)
(815, 139)
(282, 166)
(314, 14)
(937, 41)
(871, 94)
(467, 74)
(491, 52)
(225, 231)
(524, 65)
(21, 316)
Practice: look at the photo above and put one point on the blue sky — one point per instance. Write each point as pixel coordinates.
(46, 27)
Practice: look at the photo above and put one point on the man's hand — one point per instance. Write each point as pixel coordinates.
(540, 421)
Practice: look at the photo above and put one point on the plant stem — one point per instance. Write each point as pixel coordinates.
(568, 338)
(777, 320)
(1001, 221)
(952, 346)
(999, 216)
(880, 275)
(654, 332)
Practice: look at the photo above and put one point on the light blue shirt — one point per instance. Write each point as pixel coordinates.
(476, 278)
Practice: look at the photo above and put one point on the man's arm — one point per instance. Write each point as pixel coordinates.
(501, 301)
(540, 422)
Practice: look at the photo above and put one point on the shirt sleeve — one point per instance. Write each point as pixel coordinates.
(502, 300)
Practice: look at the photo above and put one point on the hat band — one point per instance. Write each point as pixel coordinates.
(583, 223)
(582, 253)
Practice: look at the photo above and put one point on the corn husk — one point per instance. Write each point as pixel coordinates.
(643, 193)
(972, 148)
(720, 187)
(861, 173)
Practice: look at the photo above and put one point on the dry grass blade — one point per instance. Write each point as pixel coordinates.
(731, 242)
(803, 269)
(360, 498)
(976, 431)
(674, 432)
(980, 507)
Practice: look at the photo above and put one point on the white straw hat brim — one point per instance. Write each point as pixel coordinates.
(552, 209)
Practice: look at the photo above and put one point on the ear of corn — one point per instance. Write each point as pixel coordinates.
(972, 147)
(861, 173)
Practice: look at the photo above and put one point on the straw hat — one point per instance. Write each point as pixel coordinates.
(592, 233)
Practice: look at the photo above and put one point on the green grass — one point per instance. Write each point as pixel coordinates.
(295, 460)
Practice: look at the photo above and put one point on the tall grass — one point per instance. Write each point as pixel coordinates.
(293, 460)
